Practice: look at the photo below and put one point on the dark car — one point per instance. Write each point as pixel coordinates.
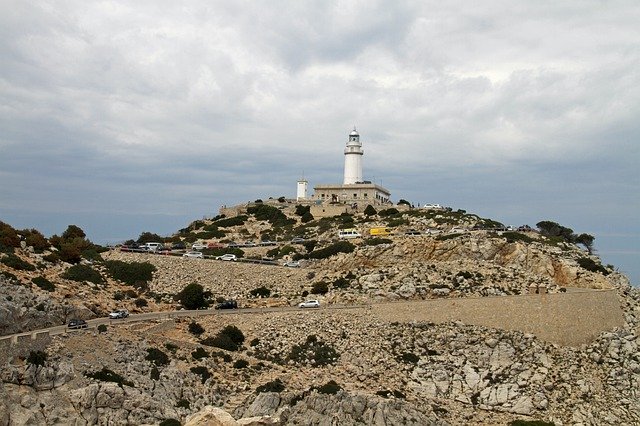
(227, 304)
(77, 323)
(178, 246)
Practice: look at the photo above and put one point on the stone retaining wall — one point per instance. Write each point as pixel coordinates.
(569, 319)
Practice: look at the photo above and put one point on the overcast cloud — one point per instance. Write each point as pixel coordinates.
(123, 117)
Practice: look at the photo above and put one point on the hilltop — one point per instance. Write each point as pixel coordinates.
(357, 365)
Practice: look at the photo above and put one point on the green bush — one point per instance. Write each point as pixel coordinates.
(590, 265)
(329, 388)
(201, 371)
(370, 210)
(35, 239)
(106, 375)
(199, 353)
(38, 358)
(43, 283)
(136, 274)
(313, 351)
(51, 257)
(102, 328)
(170, 422)
(171, 347)
(335, 248)
(195, 328)
(271, 214)
(14, 262)
(141, 302)
(229, 338)
(273, 386)
(157, 357)
(409, 358)
(8, 236)
(154, 374)
(231, 221)
(388, 212)
(376, 241)
(260, 292)
(447, 237)
(192, 297)
(320, 287)
(530, 423)
(341, 283)
(307, 217)
(184, 403)
(83, 273)
(241, 363)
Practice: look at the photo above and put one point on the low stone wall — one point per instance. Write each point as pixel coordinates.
(569, 319)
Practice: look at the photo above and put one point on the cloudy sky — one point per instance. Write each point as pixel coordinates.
(131, 116)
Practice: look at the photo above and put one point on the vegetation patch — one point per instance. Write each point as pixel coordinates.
(272, 386)
(106, 375)
(38, 358)
(517, 236)
(335, 248)
(376, 241)
(201, 371)
(447, 237)
(329, 388)
(320, 287)
(195, 328)
(260, 292)
(136, 274)
(313, 352)
(241, 363)
(14, 262)
(590, 265)
(157, 357)
(229, 338)
(192, 297)
(199, 354)
(83, 273)
(43, 283)
(273, 215)
(231, 221)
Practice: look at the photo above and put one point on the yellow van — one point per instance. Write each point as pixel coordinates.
(380, 231)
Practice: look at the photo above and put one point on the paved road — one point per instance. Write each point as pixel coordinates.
(152, 316)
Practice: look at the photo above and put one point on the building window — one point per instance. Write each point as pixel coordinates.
(365, 195)
(355, 195)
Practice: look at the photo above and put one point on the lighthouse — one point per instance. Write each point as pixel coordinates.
(353, 159)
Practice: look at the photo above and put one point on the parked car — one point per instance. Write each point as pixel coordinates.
(178, 246)
(77, 323)
(198, 246)
(292, 264)
(233, 244)
(297, 240)
(195, 254)
(249, 244)
(227, 304)
(267, 243)
(120, 313)
(412, 232)
(152, 247)
(309, 304)
(215, 245)
(227, 257)
(433, 207)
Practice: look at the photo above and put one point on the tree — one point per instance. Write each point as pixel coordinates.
(192, 297)
(148, 237)
(403, 201)
(72, 232)
(307, 217)
(370, 210)
(587, 241)
(552, 229)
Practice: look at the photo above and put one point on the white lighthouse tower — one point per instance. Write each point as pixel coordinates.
(353, 159)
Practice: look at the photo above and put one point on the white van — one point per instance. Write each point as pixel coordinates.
(151, 246)
(349, 233)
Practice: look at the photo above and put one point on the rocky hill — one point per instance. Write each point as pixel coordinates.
(348, 366)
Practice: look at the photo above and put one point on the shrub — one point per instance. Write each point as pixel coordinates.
(388, 212)
(315, 352)
(38, 358)
(171, 347)
(136, 274)
(199, 353)
(447, 237)
(273, 386)
(376, 241)
(339, 247)
(154, 374)
(405, 202)
(370, 210)
(201, 371)
(590, 265)
(241, 363)
(51, 257)
(14, 262)
(231, 221)
(234, 333)
(307, 217)
(170, 422)
(118, 295)
(409, 358)
(330, 388)
(271, 214)
(43, 283)
(83, 273)
(301, 210)
(102, 328)
(195, 329)
(319, 287)
(35, 239)
(106, 375)
(157, 357)
(141, 302)
(260, 292)
(254, 342)
(184, 403)
(530, 423)
(229, 338)
(149, 237)
(192, 297)
(8, 236)
(341, 283)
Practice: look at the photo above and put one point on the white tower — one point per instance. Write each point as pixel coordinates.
(301, 194)
(353, 159)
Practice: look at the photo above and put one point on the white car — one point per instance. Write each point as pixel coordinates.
(227, 257)
(292, 264)
(309, 304)
(121, 313)
(433, 207)
(195, 254)
(199, 246)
